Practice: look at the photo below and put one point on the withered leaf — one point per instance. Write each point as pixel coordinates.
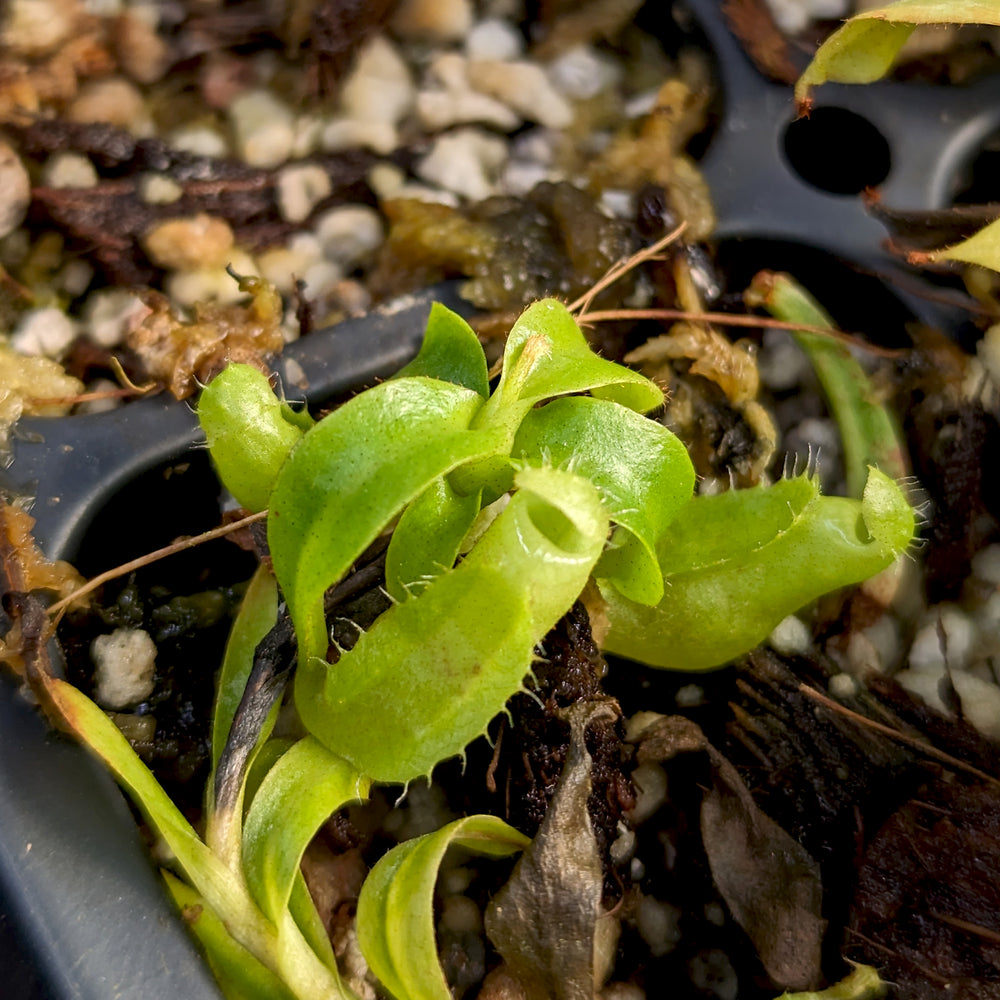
(770, 883)
(929, 229)
(180, 354)
(547, 922)
(753, 24)
(714, 357)
(24, 574)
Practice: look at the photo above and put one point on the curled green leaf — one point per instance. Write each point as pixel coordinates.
(352, 474)
(450, 351)
(864, 48)
(428, 676)
(546, 355)
(299, 793)
(642, 470)
(250, 432)
(867, 429)
(427, 539)
(305, 786)
(736, 564)
(396, 907)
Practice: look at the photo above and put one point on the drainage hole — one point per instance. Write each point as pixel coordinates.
(838, 151)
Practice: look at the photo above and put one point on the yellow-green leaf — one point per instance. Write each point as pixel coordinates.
(864, 48)
(396, 907)
(982, 248)
(737, 563)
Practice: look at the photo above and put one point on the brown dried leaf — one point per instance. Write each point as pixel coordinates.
(26, 569)
(770, 883)
(752, 22)
(547, 922)
(655, 155)
(181, 354)
(714, 357)
(929, 229)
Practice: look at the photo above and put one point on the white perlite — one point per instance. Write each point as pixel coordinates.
(349, 234)
(450, 100)
(44, 332)
(524, 87)
(189, 243)
(36, 27)
(494, 38)
(114, 101)
(69, 170)
(466, 162)
(199, 140)
(659, 924)
(582, 72)
(15, 190)
(300, 189)
(650, 782)
(189, 288)
(792, 16)
(124, 662)
(791, 636)
(379, 88)
(159, 189)
(110, 313)
(264, 128)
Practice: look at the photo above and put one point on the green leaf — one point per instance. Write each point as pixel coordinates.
(306, 785)
(642, 470)
(300, 903)
(427, 539)
(221, 888)
(396, 907)
(451, 352)
(352, 474)
(429, 675)
(736, 564)
(863, 983)
(240, 976)
(982, 248)
(286, 953)
(864, 48)
(867, 429)
(250, 432)
(546, 355)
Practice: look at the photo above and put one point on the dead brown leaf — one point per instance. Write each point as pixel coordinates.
(753, 24)
(547, 921)
(25, 569)
(180, 354)
(770, 882)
